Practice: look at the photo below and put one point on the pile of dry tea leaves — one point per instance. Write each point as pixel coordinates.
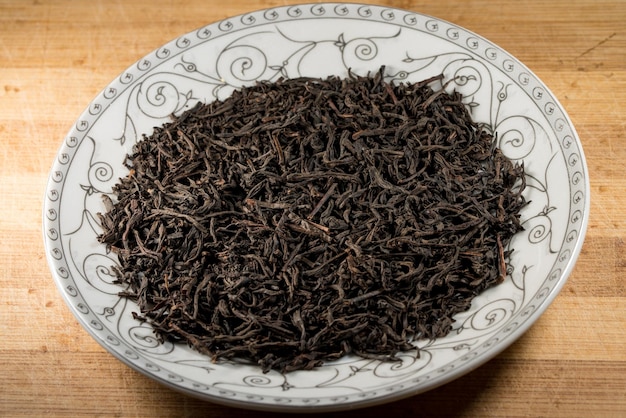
(304, 219)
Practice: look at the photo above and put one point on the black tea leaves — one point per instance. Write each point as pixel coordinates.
(305, 219)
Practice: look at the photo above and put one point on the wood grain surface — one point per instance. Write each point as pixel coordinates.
(55, 56)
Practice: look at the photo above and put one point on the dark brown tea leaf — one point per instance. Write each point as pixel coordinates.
(301, 220)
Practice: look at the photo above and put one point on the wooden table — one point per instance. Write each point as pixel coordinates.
(55, 56)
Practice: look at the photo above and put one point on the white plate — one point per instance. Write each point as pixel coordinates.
(319, 40)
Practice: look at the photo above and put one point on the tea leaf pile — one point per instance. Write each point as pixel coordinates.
(305, 219)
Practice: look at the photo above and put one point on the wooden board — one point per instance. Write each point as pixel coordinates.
(55, 56)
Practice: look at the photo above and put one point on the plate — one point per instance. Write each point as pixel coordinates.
(319, 40)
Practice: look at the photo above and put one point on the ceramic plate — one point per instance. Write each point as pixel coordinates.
(319, 40)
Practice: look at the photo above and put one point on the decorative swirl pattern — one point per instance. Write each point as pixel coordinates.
(540, 230)
(474, 81)
(492, 314)
(239, 65)
(319, 40)
(362, 49)
(466, 80)
(98, 272)
(519, 135)
(159, 99)
(144, 340)
(99, 175)
(408, 364)
(258, 380)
